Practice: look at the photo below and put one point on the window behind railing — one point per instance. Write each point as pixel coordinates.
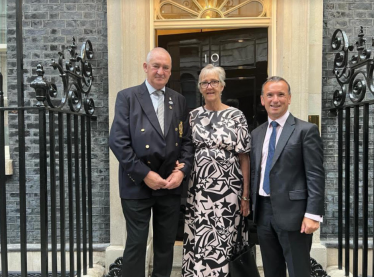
(3, 70)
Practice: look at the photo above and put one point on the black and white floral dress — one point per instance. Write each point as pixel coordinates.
(213, 211)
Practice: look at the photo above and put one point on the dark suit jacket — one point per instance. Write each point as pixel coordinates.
(297, 177)
(137, 141)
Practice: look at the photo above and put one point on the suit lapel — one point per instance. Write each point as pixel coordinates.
(262, 134)
(146, 103)
(287, 131)
(167, 111)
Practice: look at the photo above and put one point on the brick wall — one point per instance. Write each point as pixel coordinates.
(48, 27)
(347, 15)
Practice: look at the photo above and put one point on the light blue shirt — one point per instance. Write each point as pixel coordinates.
(154, 97)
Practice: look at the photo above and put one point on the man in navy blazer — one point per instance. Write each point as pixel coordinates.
(287, 184)
(150, 137)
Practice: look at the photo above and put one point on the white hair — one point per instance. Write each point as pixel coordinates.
(215, 69)
(156, 49)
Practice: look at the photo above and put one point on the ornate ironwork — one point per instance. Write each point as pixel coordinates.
(317, 269)
(355, 73)
(76, 78)
(115, 269)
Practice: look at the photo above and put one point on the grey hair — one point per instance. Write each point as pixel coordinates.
(158, 49)
(275, 79)
(215, 69)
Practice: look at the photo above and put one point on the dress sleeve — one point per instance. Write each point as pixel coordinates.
(243, 143)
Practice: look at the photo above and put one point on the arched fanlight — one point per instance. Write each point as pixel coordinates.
(207, 9)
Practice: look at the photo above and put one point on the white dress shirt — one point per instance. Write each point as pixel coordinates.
(154, 97)
(265, 148)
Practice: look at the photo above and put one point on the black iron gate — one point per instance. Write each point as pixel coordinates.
(64, 113)
(354, 110)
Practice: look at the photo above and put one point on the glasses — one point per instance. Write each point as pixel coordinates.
(213, 84)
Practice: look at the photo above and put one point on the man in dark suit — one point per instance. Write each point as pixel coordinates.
(150, 136)
(287, 184)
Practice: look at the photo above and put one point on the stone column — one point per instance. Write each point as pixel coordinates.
(129, 40)
(299, 60)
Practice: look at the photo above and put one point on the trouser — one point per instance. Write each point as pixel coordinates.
(281, 249)
(165, 223)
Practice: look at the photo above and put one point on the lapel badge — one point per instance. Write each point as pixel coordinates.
(170, 107)
(171, 102)
(170, 98)
(180, 129)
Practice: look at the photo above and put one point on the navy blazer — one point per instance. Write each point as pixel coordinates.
(297, 176)
(137, 141)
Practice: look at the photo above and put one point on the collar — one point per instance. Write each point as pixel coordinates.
(152, 89)
(281, 121)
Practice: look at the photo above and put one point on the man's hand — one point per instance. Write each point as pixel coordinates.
(174, 180)
(154, 181)
(178, 166)
(308, 226)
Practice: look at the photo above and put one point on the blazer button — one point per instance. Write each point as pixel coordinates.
(148, 162)
(147, 146)
(142, 130)
(176, 129)
(176, 144)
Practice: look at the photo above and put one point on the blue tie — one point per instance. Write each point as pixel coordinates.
(273, 138)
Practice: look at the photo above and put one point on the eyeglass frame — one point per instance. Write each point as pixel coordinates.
(216, 82)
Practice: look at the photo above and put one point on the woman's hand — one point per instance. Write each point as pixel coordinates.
(244, 206)
(178, 166)
(245, 167)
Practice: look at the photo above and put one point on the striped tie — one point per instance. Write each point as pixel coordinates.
(160, 109)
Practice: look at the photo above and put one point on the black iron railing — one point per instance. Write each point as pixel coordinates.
(64, 164)
(79, 186)
(351, 104)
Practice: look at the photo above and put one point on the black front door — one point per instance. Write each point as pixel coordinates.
(243, 53)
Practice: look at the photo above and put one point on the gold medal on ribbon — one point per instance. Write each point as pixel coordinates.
(180, 129)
